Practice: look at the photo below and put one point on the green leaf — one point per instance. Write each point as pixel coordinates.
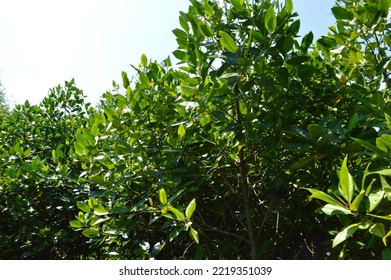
(83, 207)
(386, 187)
(227, 42)
(346, 182)
(162, 196)
(144, 60)
(386, 253)
(298, 59)
(303, 162)
(345, 234)
(330, 209)
(353, 122)
(289, 6)
(100, 210)
(323, 196)
(181, 131)
(190, 208)
(384, 5)
(125, 79)
(371, 147)
(315, 131)
(384, 143)
(378, 230)
(194, 235)
(173, 234)
(270, 20)
(341, 13)
(76, 224)
(178, 214)
(189, 91)
(374, 200)
(357, 200)
(90, 233)
(238, 5)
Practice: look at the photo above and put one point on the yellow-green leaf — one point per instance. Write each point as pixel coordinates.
(227, 42)
(270, 20)
(181, 131)
(289, 6)
(194, 235)
(162, 196)
(190, 208)
(345, 234)
(178, 214)
(346, 182)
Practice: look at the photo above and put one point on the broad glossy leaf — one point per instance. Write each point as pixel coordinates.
(346, 182)
(227, 42)
(384, 143)
(353, 122)
(378, 230)
(190, 208)
(178, 214)
(330, 209)
(83, 207)
(238, 5)
(374, 199)
(323, 196)
(181, 131)
(357, 200)
(144, 60)
(371, 147)
(270, 20)
(341, 13)
(76, 224)
(162, 196)
(345, 234)
(289, 6)
(100, 210)
(315, 131)
(90, 233)
(298, 59)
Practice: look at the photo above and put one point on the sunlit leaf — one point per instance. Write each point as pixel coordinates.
(346, 182)
(162, 196)
(378, 230)
(190, 208)
(90, 233)
(345, 234)
(270, 20)
(194, 235)
(331, 209)
(227, 42)
(323, 196)
(374, 200)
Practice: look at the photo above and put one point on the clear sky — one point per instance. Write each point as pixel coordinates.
(45, 42)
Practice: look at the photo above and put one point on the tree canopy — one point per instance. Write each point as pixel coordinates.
(258, 144)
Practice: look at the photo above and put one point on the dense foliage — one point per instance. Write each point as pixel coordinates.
(259, 144)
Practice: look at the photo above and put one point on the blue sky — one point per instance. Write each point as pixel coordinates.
(45, 42)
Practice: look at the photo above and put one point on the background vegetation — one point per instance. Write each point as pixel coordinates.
(259, 144)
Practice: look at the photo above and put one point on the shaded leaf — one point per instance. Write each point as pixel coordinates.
(377, 230)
